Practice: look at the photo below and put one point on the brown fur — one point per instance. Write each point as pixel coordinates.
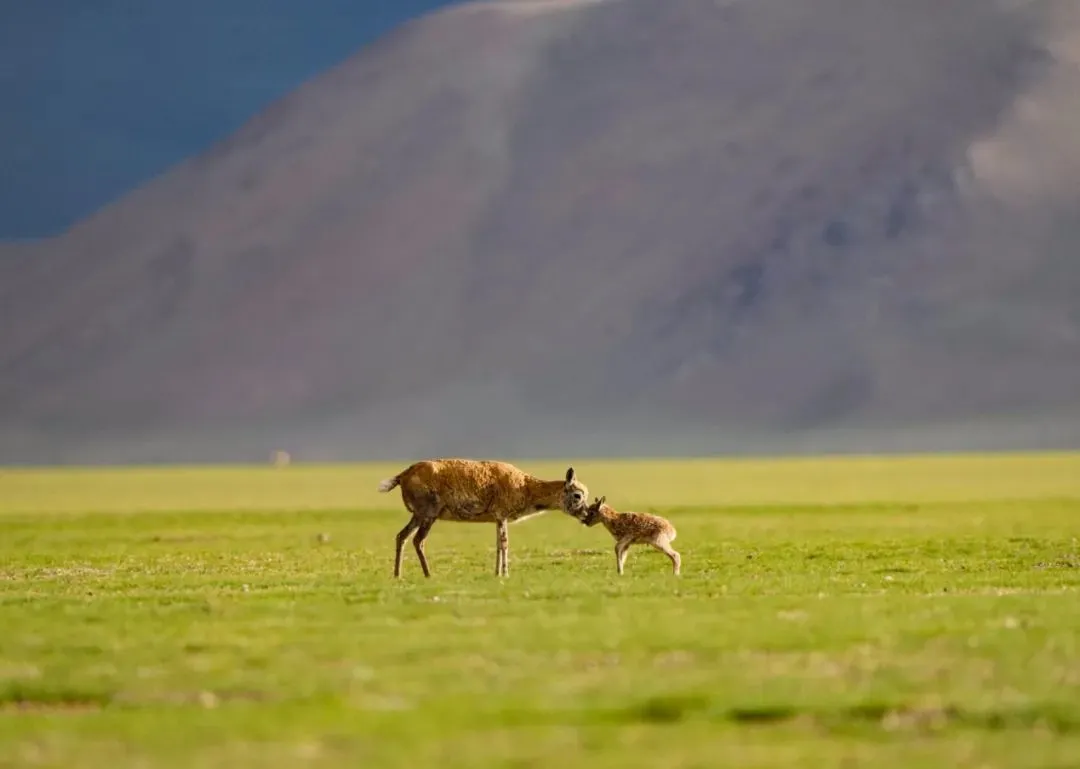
(477, 491)
(632, 529)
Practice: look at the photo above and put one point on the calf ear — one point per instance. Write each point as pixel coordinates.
(601, 501)
(570, 475)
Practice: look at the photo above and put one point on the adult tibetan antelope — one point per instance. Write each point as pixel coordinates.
(477, 491)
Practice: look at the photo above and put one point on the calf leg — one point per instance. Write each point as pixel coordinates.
(621, 548)
(665, 547)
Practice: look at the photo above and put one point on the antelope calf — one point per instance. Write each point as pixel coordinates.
(631, 529)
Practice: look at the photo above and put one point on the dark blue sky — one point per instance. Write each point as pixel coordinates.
(97, 96)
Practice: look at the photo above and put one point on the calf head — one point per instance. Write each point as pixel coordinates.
(590, 516)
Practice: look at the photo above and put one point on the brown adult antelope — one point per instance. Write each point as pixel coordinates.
(477, 491)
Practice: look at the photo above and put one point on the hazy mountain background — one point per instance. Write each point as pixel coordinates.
(100, 95)
(551, 227)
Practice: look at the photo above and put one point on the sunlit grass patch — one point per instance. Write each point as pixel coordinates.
(883, 630)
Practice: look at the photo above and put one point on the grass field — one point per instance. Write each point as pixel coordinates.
(841, 612)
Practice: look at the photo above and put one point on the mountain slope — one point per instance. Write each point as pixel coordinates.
(100, 96)
(565, 226)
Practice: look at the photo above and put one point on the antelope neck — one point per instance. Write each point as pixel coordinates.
(548, 492)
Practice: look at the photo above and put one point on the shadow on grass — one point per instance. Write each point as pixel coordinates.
(888, 716)
(49, 700)
(17, 697)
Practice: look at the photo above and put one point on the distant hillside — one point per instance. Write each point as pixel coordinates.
(98, 96)
(570, 227)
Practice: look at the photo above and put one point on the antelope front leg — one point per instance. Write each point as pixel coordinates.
(502, 549)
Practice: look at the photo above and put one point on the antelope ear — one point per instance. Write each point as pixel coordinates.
(570, 475)
(601, 501)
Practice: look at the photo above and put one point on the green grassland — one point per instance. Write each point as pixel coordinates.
(885, 612)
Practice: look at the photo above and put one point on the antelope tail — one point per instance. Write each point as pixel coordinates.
(389, 483)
